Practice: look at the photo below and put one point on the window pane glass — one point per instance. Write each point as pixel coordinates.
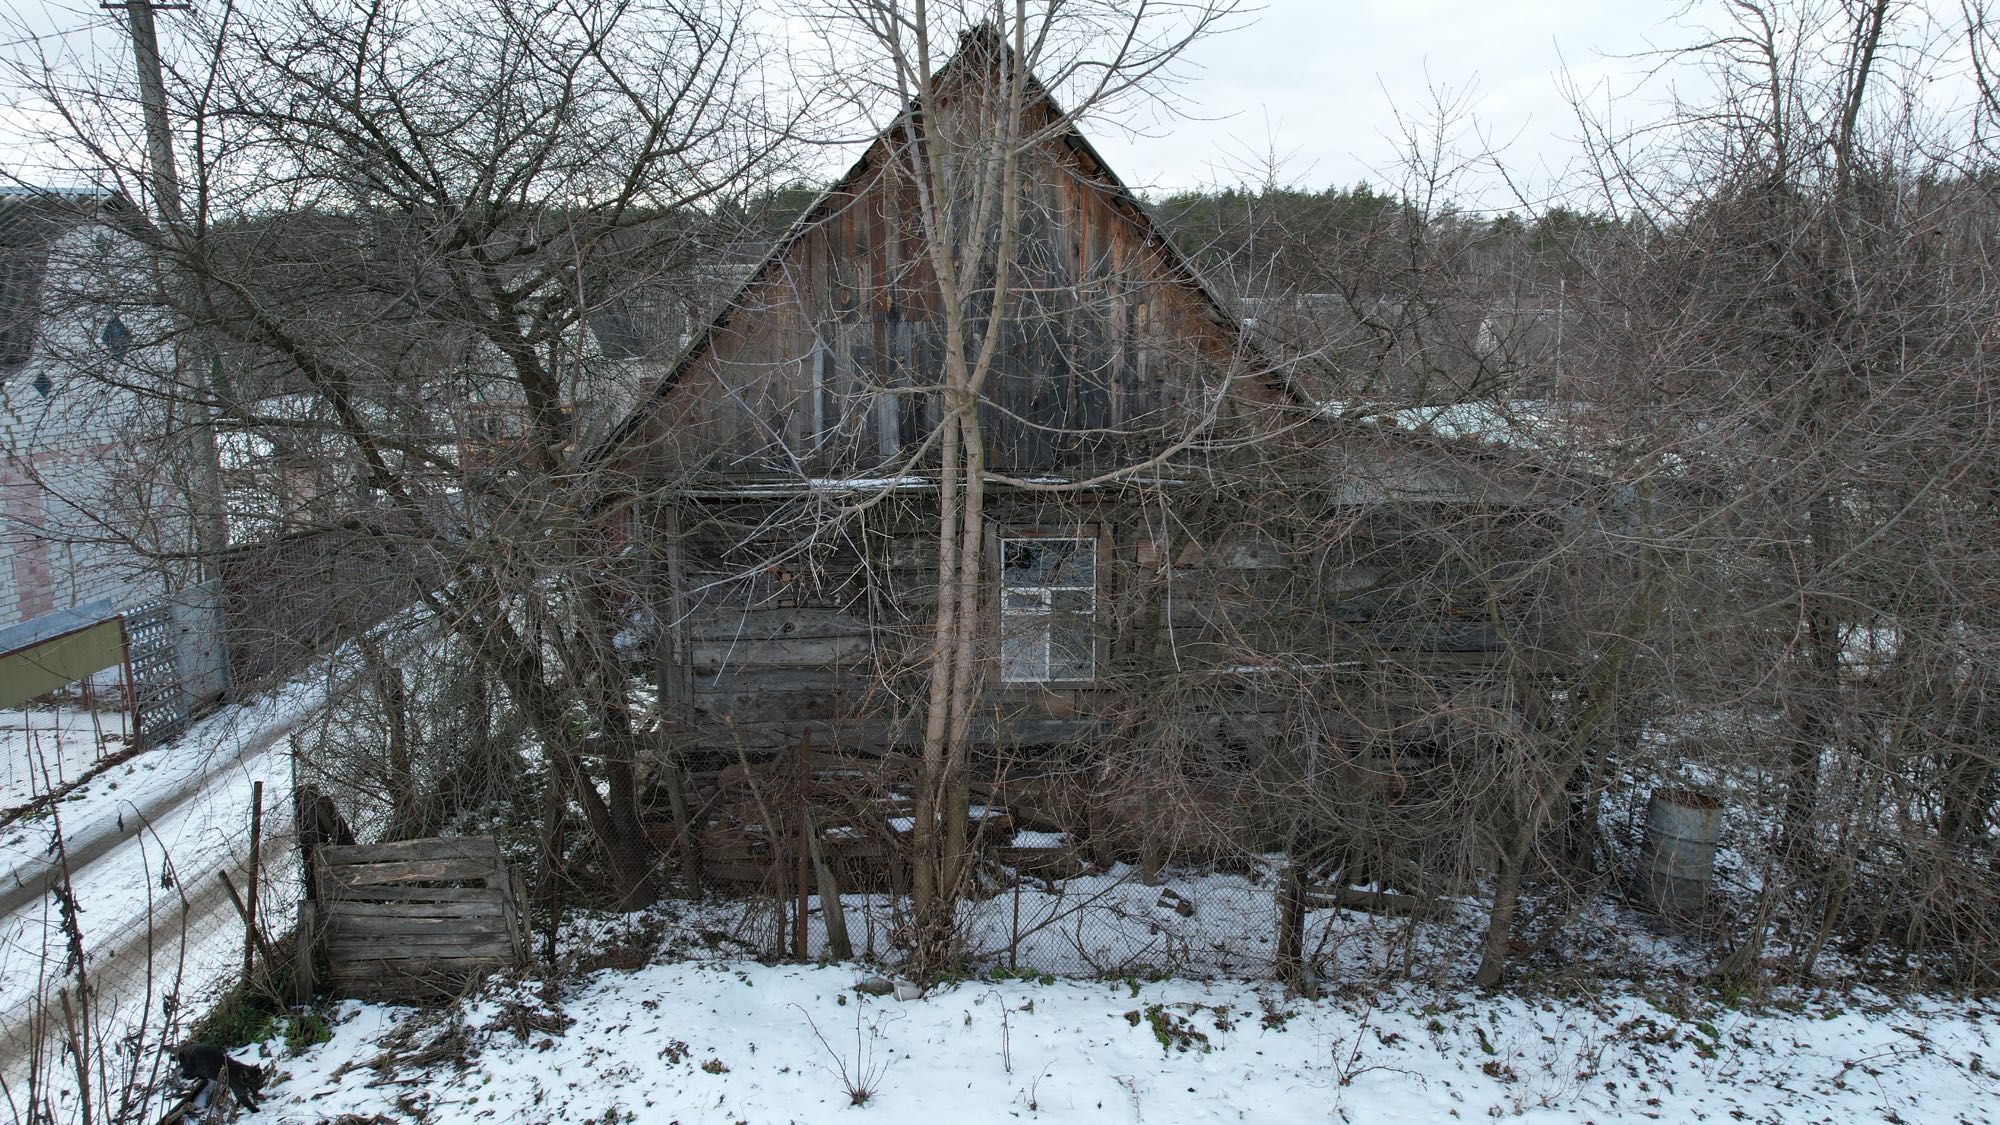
(1024, 647)
(1025, 562)
(1048, 562)
(1076, 564)
(1026, 601)
(1070, 651)
(1075, 603)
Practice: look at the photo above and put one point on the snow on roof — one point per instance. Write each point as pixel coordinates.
(40, 629)
(1519, 423)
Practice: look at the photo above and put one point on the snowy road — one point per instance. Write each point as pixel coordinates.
(144, 843)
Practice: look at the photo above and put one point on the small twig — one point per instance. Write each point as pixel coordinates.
(1131, 1085)
(1006, 1044)
(249, 924)
(862, 1077)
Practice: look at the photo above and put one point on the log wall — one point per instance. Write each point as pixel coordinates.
(1242, 627)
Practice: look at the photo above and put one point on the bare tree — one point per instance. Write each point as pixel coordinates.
(428, 255)
(971, 134)
(1799, 309)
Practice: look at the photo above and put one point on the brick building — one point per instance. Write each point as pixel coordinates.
(79, 522)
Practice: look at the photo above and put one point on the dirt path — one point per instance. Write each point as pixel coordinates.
(30, 879)
(176, 949)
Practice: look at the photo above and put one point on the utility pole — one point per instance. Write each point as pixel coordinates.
(166, 182)
(210, 526)
(200, 663)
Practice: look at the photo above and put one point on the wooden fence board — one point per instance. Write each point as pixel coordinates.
(443, 937)
(432, 945)
(390, 893)
(338, 926)
(496, 917)
(395, 980)
(387, 936)
(411, 871)
(494, 906)
(442, 847)
(436, 969)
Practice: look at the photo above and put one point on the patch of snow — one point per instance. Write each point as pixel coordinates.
(110, 801)
(152, 916)
(44, 748)
(740, 1041)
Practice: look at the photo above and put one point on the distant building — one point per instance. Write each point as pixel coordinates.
(74, 527)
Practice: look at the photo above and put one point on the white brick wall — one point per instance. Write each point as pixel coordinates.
(79, 518)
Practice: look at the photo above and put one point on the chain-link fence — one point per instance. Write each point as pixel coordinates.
(1060, 877)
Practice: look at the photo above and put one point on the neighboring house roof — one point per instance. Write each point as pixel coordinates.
(44, 654)
(622, 333)
(31, 220)
(654, 321)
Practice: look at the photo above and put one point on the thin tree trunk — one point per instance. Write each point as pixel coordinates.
(838, 945)
(1506, 901)
(404, 817)
(934, 910)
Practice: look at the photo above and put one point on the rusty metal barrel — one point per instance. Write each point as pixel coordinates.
(1677, 861)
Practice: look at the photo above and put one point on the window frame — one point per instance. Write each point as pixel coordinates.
(1006, 619)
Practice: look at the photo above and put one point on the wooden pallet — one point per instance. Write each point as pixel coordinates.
(417, 919)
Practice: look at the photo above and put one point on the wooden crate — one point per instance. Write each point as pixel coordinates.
(417, 919)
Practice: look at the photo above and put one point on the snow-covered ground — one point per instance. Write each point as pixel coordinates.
(738, 1041)
(43, 749)
(112, 801)
(1192, 922)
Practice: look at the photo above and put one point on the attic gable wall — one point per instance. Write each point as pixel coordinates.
(827, 358)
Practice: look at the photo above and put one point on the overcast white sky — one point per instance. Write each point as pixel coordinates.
(1316, 82)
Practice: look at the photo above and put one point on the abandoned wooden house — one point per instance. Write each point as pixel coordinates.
(1187, 561)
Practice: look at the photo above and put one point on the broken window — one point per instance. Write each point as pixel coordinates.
(1048, 609)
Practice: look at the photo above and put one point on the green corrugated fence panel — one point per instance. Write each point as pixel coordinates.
(41, 668)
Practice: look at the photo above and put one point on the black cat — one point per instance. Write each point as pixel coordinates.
(203, 1063)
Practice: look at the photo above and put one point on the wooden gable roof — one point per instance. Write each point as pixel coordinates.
(1065, 143)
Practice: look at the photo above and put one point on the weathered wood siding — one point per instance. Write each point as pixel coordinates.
(1246, 620)
(790, 604)
(828, 354)
(417, 918)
